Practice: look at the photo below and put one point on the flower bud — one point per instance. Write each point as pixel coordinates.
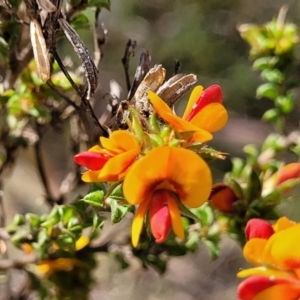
(222, 197)
(258, 228)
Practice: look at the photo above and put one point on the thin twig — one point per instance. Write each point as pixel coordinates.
(177, 66)
(38, 154)
(66, 73)
(129, 50)
(84, 102)
(61, 94)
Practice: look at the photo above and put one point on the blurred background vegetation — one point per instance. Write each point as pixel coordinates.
(203, 36)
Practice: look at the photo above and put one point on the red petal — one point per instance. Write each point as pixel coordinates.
(253, 285)
(91, 160)
(160, 219)
(258, 228)
(212, 94)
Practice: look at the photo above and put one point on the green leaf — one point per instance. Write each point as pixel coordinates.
(271, 115)
(118, 211)
(186, 212)
(94, 198)
(80, 21)
(254, 187)
(97, 221)
(17, 221)
(265, 62)
(268, 90)
(156, 140)
(204, 213)
(213, 248)
(272, 75)
(33, 220)
(285, 103)
(117, 193)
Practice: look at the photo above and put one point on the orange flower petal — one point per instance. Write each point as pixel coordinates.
(137, 223)
(290, 171)
(211, 118)
(90, 176)
(164, 111)
(119, 141)
(159, 105)
(175, 217)
(283, 248)
(253, 250)
(280, 292)
(283, 223)
(201, 137)
(194, 97)
(185, 171)
(117, 165)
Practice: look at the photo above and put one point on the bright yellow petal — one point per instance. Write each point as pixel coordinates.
(82, 242)
(175, 217)
(283, 248)
(211, 117)
(253, 250)
(264, 271)
(283, 223)
(182, 169)
(280, 292)
(119, 141)
(90, 176)
(195, 95)
(117, 165)
(138, 220)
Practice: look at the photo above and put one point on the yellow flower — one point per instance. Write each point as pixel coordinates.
(49, 267)
(111, 161)
(204, 113)
(277, 257)
(155, 181)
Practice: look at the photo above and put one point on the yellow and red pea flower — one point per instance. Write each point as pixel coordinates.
(277, 257)
(164, 175)
(204, 113)
(111, 161)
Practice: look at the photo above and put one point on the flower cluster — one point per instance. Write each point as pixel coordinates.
(155, 164)
(274, 250)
